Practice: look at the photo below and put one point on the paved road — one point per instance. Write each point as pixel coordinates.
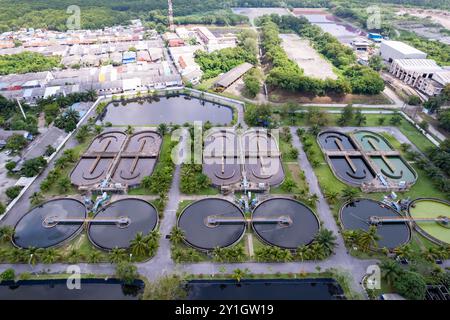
(23, 204)
(162, 263)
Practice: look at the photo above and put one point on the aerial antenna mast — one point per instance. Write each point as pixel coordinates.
(171, 25)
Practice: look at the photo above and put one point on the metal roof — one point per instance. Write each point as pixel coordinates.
(231, 76)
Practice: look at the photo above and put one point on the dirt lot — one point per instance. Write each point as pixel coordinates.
(306, 57)
(282, 96)
(438, 16)
(253, 13)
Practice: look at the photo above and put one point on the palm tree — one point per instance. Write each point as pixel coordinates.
(3, 254)
(36, 198)
(73, 256)
(302, 252)
(404, 251)
(390, 270)
(50, 256)
(94, 256)
(177, 235)
(350, 237)
(368, 239)
(6, 233)
(332, 196)
(138, 245)
(349, 194)
(117, 255)
(317, 251)
(162, 129)
(327, 240)
(17, 255)
(238, 274)
(34, 254)
(431, 254)
(129, 130)
(70, 155)
(64, 184)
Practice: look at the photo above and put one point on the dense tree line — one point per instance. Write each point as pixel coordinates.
(27, 62)
(221, 61)
(98, 14)
(219, 17)
(286, 74)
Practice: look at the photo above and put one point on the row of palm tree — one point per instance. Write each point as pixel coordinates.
(232, 254)
(364, 240)
(181, 254)
(143, 246)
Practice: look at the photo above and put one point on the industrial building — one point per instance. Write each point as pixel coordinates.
(391, 50)
(411, 70)
(228, 78)
(433, 86)
(423, 74)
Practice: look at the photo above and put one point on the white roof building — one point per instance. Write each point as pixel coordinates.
(391, 50)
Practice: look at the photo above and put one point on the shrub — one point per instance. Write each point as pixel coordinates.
(411, 285)
(8, 275)
(13, 192)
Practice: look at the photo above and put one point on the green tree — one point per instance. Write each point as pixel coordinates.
(238, 274)
(252, 85)
(50, 256)
(94, 256)
(177, 235)
(6, 233)
(129, 130)
(170, 287)
(10, 166)
(349, 194)
(13, 192)
(117, 255)
(64, 184)
(16, 142)
(390, 270)
(396, 119)
(138, 245)
(410, 285)
(36, 198)
(8, 275)
(33, 167)
(327, 240)
(126, 272)
(82, 133)
(73, 256)
(376, 63)
(162, 129)
(369, 239)
(405, 251)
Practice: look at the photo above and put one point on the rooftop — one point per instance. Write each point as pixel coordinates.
(418, 65)
(401, 46)
(231, 76)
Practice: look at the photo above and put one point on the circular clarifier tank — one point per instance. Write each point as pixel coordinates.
(356, 215)
(33, 231)
(121, 221)
(211, 223)
(285, 223)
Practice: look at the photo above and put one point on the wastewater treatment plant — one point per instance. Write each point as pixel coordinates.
(263, 213)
